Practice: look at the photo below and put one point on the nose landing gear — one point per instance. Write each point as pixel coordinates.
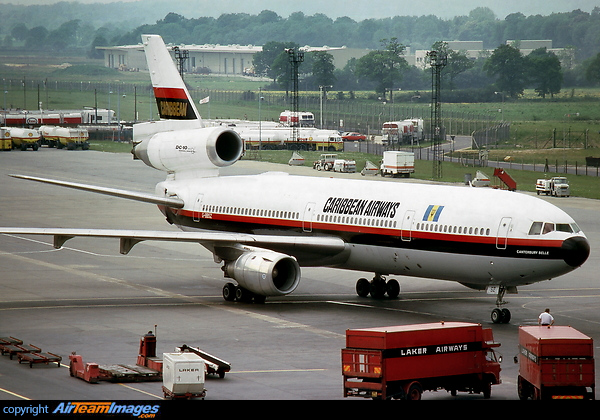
(500, 315)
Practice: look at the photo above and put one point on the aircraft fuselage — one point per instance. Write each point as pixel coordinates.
(475, 236)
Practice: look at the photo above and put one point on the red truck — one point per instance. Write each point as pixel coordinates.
(400, 362)
(555, 362)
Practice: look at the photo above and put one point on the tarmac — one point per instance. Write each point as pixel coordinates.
(89, 299)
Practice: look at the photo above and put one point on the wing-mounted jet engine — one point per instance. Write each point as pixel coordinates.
(262, 273)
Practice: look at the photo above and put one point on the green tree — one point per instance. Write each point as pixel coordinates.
(269, 61)
(458, 62)
(545, 72)
(384, 67)
(508, 65)
(592, 71)
(322, 68)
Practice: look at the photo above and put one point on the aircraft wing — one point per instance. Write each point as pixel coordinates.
(115, 192)
(128, 238)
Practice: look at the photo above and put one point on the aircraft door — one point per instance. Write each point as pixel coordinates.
(307, 220)
(198, 207)
(503, 230)
(406, 226)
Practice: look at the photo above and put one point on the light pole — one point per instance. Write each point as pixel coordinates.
(501, 109)
(321, 89)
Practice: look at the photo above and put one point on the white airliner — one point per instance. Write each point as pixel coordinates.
(263, 228)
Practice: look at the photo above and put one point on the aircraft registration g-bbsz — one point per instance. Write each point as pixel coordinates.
(264, 227)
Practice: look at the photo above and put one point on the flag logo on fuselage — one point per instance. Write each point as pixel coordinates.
(432, 214)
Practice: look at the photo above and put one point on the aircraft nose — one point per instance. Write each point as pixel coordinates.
(576, 250)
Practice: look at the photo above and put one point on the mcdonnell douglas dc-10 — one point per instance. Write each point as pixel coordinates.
(263, 228)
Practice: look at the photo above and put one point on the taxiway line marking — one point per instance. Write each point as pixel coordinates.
(14, 394)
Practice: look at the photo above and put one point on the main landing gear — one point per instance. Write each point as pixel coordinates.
(500, 315)
(378, 287)
(232, 293)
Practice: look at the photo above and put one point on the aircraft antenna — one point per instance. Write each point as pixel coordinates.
(438, 61)
(295, 57)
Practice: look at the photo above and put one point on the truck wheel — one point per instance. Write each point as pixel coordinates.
(415, 392)
(487, 390)
(523, 388)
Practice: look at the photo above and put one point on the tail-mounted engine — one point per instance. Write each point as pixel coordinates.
(265, 273)
(189, 150)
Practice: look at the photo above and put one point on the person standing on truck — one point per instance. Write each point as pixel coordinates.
(545, 318)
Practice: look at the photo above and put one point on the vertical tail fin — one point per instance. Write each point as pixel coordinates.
(172, 97)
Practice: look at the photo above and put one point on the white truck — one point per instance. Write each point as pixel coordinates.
(396, 163)
(557, 186)
(343, 165)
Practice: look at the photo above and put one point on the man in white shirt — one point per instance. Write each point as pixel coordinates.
(545, 318)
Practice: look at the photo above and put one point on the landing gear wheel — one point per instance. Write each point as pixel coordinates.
(501, 316)
(243, 295)
(229, 292)
(378, 287)
(505, 316)
(393, 288)
(362, 287)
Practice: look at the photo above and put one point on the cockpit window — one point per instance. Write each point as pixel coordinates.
(536, 228)
(564, 227)
(548, 227)
(541, 228)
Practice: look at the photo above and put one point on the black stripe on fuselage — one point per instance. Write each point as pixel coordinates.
(485, 245)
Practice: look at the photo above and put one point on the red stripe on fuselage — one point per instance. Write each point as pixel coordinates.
(361, 229)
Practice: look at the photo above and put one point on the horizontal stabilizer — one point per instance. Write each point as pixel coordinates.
(115, 192)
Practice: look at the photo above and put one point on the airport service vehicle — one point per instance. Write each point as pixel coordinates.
(277, 138)
(183, 375)
(400, 362)
(5, 140)
(325, 162)
(343, 165)
(396, 163)
(405, 131)
(263, 228)
(298, 119)
(57, 117)
(72, 138)
(557, 186)
(25, 138)
(555, 362)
